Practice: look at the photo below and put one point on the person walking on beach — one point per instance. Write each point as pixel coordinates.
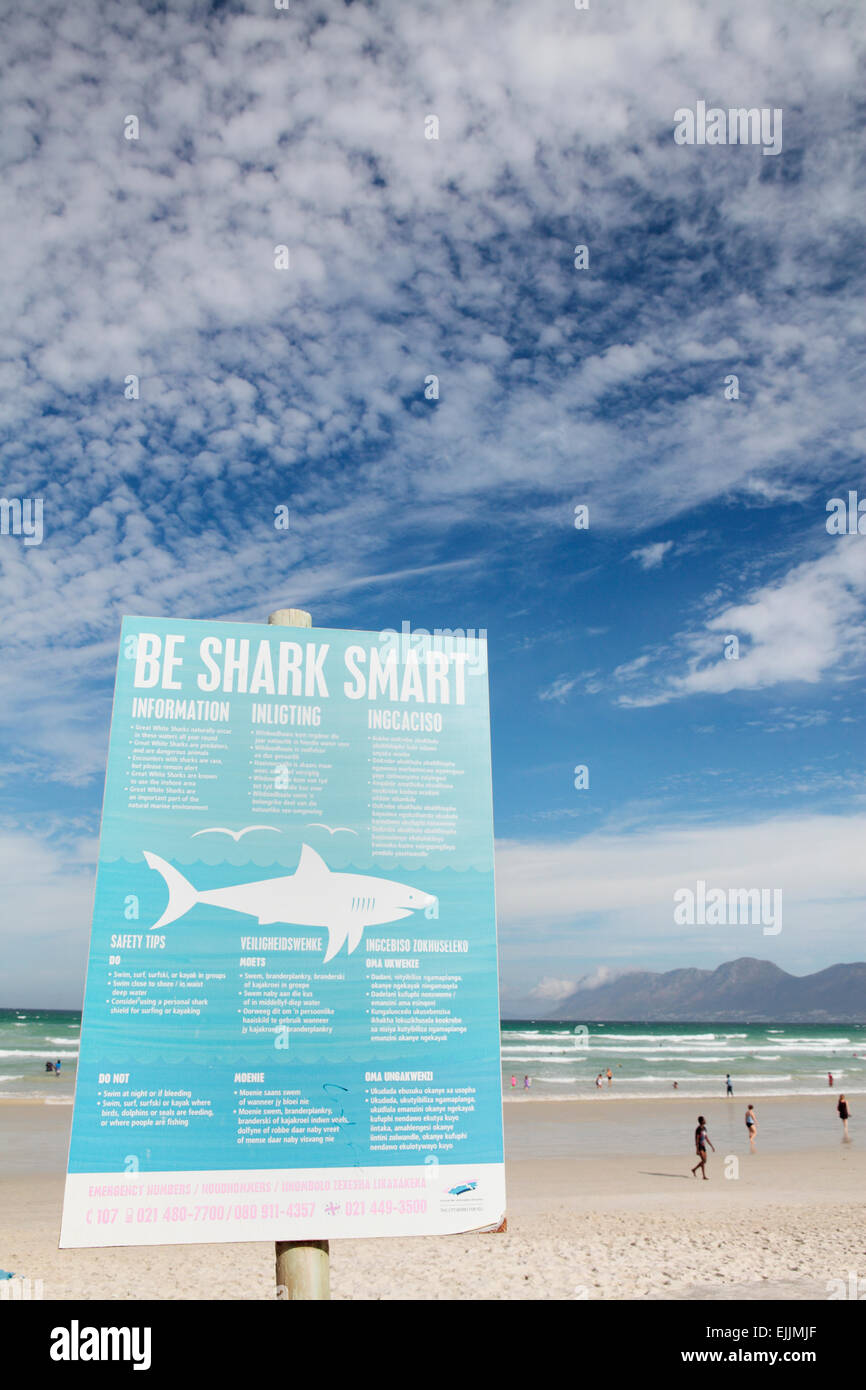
(751, 1127)
(609, 1077)
(513, 1082)
(829, 1078)
(526, 1083)
(57, 1067)
(729, 1085)
(702, 1139)
(598, 1081)
(844, 1112)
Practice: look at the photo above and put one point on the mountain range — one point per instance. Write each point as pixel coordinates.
(740, 991)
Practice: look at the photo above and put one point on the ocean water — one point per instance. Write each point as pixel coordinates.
(562, 1060)
(28, 1039)
(562, 1063)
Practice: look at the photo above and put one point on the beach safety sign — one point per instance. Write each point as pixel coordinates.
(291, 1022)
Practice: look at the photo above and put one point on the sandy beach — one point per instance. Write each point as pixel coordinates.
(614, 1225)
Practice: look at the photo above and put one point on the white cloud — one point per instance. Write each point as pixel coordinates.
(603, 975)
(409, 257)
(804, 627)
(44, 927)
(651, 556)
(247, 141)
(609, 895)
(551, 991)
(558, 690)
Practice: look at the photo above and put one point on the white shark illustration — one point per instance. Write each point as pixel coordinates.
(313, 896)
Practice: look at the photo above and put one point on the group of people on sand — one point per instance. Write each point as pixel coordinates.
(702, 1138)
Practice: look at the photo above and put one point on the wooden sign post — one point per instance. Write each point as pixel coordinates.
(303, 1266)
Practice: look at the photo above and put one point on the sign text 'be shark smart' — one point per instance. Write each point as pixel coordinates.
(291, 1027)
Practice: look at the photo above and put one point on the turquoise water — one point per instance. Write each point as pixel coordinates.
(28, 1039)
(647, 1058)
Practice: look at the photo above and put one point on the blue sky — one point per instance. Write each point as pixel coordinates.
(557, 387)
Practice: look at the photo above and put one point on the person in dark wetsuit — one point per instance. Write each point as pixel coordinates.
(702, 1139)
(844, 1112)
